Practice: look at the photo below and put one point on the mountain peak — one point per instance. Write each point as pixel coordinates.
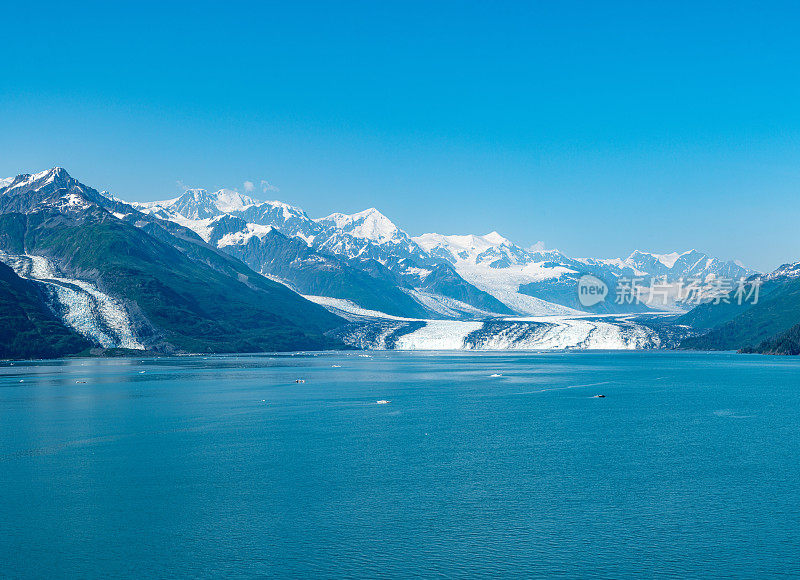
(199, 203)
(370, 211)
(667, 260)
(495, 238)
(369, 224)
(36, 179)
(52, 188)
(229, 200)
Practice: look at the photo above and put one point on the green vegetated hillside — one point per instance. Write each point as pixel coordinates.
(747, 326)
(182, 294)
(787, 342)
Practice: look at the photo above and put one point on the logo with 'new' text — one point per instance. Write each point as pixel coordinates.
(591, 290)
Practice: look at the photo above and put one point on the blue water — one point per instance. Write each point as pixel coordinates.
(225, 466)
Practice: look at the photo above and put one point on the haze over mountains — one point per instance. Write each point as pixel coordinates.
(224, 272)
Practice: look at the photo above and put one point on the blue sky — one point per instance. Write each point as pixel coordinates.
(597, 127)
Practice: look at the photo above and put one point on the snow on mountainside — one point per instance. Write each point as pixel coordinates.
(200, 203)
(492, 249)
(789, 271)
(488, 273)
(369, 224)
(691, 264)
(242, 237)
(197, 209)
(516, 276)
(368, 240)
(51, 189)
(78, 303)
(498, 266)
(371, 235)
(121, 271)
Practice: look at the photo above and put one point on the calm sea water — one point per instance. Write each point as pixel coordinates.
(690, 466)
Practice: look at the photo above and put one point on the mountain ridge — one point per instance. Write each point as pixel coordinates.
(179, 294)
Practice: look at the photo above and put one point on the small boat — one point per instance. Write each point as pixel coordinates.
(599, 397)
(299, 380)
(383, 402)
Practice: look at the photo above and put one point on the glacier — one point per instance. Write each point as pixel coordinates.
(538, 333)
(79, 304)
(373, 330)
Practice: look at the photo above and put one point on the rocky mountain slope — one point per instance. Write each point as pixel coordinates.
(121, 278)
(485, 275)
(224, 272)
(367, 241)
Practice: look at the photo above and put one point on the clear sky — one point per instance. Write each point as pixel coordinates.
(597, 127)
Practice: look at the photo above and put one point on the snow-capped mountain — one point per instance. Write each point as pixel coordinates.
(198, 272)
(370, 234)
(787, 271)
(368, 240)
(54, 188)
(503, 269)
(486, 273)
(492, 250)
(197, 204)
(120, 278)
(369, 224)
(691, 264)
(524, 278)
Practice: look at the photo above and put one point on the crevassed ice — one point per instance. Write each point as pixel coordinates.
(86, 309)
(546, 333)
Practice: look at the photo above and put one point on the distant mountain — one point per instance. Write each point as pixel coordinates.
(309, 272)
(691, 264)
(487, 275)
(367, 241)
(538, 281)
(223, 272)
(506, 271)
(122, 278)
(371, 234)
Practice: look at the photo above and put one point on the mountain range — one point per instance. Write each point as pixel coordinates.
(224, 272)
(459, 276)
(123, 279)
